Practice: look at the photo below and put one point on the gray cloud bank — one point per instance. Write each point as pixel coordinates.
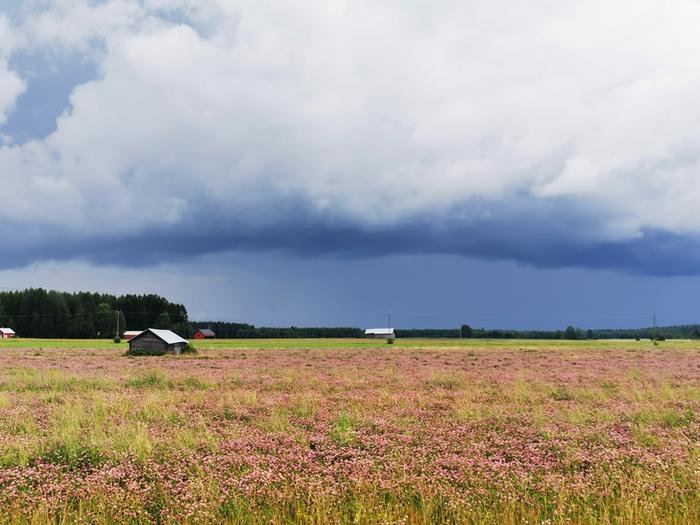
(553, 133)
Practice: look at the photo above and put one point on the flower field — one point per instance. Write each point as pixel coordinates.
(473, 432)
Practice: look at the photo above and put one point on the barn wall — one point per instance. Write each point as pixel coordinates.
(148, 340)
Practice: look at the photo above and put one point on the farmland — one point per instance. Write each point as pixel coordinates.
(353, 431)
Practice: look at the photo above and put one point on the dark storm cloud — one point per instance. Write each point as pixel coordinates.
(540, 236)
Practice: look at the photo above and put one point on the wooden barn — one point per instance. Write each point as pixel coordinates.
(156, 341)
(130, 334)
(7, 333)
(380, 333)
(204, 333)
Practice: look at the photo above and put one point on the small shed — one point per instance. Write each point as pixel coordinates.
(7, 333)
(155, 341)
(130, 334)
(380, 333)
(204, 333)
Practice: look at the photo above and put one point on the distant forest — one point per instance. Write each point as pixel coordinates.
(691, 331)
(84, 315)
(248, 331)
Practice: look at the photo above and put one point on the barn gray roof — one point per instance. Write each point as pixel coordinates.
(7, 331)
(167, 336)
(207, 331)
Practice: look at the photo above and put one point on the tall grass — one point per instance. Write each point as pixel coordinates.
(549, 434)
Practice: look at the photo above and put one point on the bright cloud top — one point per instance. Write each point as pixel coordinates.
(507, 130)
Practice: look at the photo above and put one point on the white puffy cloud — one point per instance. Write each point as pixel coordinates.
(77, 25)
(368, 114)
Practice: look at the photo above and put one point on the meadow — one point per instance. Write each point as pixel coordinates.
(351, 431)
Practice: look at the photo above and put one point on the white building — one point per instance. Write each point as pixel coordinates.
(7, 333)
(380, 333)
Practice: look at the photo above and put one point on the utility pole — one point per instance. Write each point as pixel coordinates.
(389, 319)
(116, 316)
(653, 330)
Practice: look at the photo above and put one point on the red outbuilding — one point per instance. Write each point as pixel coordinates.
(204, 333)
(130, 334)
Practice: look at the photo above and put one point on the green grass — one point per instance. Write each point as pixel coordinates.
(41, 344)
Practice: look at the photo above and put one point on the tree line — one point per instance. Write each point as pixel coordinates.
(86, 315)
(690, 331)
(467, 332)
(225, 330)
(49, 314)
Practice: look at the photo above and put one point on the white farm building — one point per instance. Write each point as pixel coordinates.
(380, 333)
(7, 333)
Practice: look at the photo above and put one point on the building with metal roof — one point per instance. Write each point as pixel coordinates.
(204, 333)
(380, 333)
(7, 333)
(153, 341)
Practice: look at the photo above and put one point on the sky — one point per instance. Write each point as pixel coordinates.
(502, 164)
